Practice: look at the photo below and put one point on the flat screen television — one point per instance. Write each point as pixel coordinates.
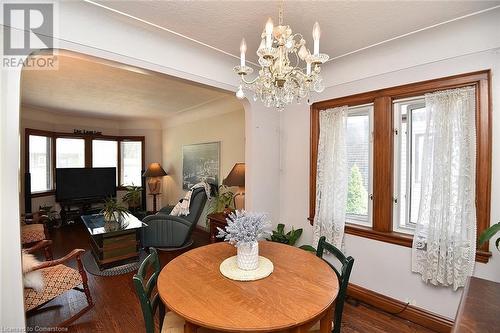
(85, 183)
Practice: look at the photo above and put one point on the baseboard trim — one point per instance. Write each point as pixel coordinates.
(419, 316)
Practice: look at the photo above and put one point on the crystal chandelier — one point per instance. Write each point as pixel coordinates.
(282, 55)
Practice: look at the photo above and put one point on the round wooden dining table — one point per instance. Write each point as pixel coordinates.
(300, 292)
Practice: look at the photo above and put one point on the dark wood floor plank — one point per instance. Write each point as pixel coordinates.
(117, 308)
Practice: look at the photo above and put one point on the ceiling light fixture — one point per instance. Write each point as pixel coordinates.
(282, 79)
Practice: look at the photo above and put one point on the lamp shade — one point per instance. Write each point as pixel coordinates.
(237, 176)
(154, 170)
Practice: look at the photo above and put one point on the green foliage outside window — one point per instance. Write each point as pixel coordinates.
(357, 196)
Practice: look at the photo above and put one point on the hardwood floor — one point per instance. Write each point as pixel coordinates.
(117, 308)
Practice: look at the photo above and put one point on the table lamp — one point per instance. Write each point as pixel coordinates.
(154, 172)
(237, 178)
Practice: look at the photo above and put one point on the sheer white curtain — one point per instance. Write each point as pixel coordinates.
(444, 244)
(331, 177)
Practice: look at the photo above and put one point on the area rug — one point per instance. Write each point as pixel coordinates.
(91, 265)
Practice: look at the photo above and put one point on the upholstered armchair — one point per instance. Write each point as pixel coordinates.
(166, 231)
(34, 233)
(58, 279)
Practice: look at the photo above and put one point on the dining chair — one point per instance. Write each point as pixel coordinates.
(343, 276)
(150, 302)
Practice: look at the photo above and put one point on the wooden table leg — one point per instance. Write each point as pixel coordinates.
(325, 323)
(189, 327)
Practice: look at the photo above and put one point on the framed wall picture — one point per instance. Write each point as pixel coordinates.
(200, 162)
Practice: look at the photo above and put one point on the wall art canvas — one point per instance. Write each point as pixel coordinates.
(200, 162)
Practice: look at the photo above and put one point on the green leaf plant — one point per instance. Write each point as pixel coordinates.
(133, 196)
(222, 199)
(290, 238)
(113, 211)
(489, 233)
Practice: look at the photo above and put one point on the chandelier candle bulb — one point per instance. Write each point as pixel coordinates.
(243, 49)
(269, 33)
(308, 68)
(316, 35)
(262, 45)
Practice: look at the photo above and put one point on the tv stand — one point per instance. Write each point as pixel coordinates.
(71, 210)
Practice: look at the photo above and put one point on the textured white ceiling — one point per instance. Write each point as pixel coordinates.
(346, 25)
(89, 86)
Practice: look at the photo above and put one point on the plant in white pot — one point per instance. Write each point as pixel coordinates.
(244, 230)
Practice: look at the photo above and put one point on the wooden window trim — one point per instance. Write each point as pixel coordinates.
(88, 152)
(143, 157)
(383, 153)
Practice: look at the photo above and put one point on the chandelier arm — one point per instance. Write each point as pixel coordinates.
(289, 74)
(297, 63)
(248, 82)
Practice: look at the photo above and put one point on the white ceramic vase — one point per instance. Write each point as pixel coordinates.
(247, 256)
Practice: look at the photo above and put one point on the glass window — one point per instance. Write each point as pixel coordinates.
(70, 153)
(40, 163)
(105, 154)
(409, 141)
(358, 147)
(131, 163)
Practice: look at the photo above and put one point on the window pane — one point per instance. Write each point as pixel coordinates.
(70, 153)
(40, 163)
(408, 162)
(105, 154)
(418, 127)
(358, 144)
(131, 162)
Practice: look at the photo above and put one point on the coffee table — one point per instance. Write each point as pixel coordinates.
(114, 243)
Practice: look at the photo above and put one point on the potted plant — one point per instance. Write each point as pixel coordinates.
(48, 215)
(222, 201)
(133, 197)
(289, 238)
(113, 211)
(489, 233)
(244, 230)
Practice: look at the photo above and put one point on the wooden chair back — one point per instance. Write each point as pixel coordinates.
(145, 287)
(343, 276)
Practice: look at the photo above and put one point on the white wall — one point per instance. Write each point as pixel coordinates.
(227, 128)
(262, 157)
(11, 290)
(461, 47)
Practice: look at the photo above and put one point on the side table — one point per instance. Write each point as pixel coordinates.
(216, 220)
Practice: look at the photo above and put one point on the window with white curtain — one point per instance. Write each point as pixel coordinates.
(409, 131)
(70, 153)
(359, 142)
(40, 163)
(105, 154)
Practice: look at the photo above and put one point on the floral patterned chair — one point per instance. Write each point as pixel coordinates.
(58, 279)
